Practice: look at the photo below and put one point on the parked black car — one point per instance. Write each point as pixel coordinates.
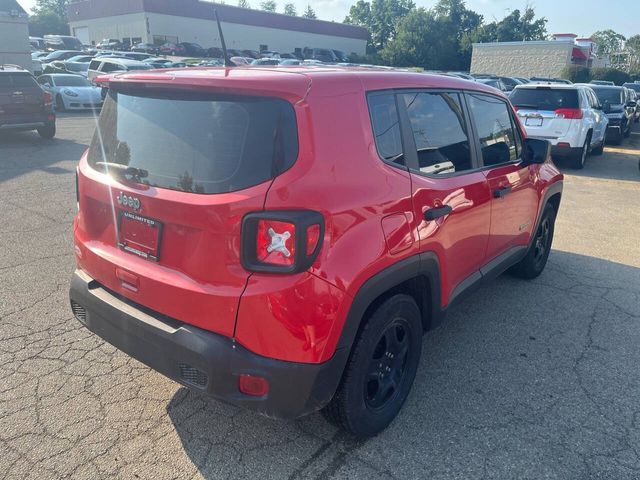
(146, 48)
(109, 44)
(62, 42)
(193, 49)
(320, 54)
(619, 108)
(24, 105)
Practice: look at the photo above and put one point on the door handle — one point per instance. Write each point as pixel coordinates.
(501, 192)
(434, 213)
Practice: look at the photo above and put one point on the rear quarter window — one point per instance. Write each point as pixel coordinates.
(545, 98)
(195, 142)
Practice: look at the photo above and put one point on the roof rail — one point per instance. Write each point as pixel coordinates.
(20, 67)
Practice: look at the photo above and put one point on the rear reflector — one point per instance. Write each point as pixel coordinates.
(563, 145)
(313, 235)
(48, 99)
(569, 113)
(254, 386)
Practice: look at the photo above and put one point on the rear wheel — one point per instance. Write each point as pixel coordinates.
(380, 370)
(534, 262)
(48, 131)
(581, 158)
(60, 104)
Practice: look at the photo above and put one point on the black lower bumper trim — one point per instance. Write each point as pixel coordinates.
(565, 151)
(203, 360)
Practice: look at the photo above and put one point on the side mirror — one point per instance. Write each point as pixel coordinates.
(47, 85)
(535, 151)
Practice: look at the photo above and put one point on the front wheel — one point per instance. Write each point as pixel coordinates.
(380, 370)
(599, 150)
(534, 262)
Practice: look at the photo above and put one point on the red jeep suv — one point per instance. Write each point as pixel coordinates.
(280, 239)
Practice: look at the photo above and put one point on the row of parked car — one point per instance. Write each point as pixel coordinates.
(191, 49)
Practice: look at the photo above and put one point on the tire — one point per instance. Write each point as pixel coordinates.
(599, 150)
(381, 369)
(48, 131)
(60, 104)
(534, 262)
(581, 158)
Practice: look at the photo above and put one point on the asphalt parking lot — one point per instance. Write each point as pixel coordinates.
(526, 380)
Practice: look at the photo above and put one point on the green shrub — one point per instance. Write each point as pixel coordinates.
(577, 74)
(611, 74)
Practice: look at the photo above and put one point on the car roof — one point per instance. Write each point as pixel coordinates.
(119, 60)
(605, 87)
(9, 68)
(296, 80)
(546, 86)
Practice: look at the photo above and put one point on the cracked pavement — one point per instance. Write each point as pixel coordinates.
(526, 379)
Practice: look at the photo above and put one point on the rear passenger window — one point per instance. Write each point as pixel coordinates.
(495, 129)
(439, 130)
(386, 127)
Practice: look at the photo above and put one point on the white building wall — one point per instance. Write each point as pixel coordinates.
(522, 59)
(123, 26)
(14, 41)
(205, 33)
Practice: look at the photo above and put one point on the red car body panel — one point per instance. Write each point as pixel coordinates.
(373, 213)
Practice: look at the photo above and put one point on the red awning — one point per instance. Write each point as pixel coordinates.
(577, 54)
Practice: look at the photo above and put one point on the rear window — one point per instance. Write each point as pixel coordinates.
(17, 80)
(197, 142)
(544, 98)
(614, 96)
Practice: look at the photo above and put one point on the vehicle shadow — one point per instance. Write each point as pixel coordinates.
(619, 162)
(24, 152)
(516, 377)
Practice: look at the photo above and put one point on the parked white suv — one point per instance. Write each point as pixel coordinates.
(104, 65)
(569, 116)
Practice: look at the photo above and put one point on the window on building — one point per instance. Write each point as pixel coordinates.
(439, 130)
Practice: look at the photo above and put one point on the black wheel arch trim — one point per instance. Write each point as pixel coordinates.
(425, 264)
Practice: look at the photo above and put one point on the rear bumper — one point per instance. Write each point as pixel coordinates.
(565, 151)
(200, 359)
(23, 122)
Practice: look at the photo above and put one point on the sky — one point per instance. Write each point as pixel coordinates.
(582, 17)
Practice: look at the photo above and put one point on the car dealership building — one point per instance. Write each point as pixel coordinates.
(161, 21)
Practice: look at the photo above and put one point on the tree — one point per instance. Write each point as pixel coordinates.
(309, 13)
(58, 7)
(515, 27)
(244, 4)
(290, 9)
(608, 41)
(41, 24)
(633, 46)
(380, 17)
(269, 6)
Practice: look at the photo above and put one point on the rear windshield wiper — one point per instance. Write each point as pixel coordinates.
(528, 107)
(122, 171)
